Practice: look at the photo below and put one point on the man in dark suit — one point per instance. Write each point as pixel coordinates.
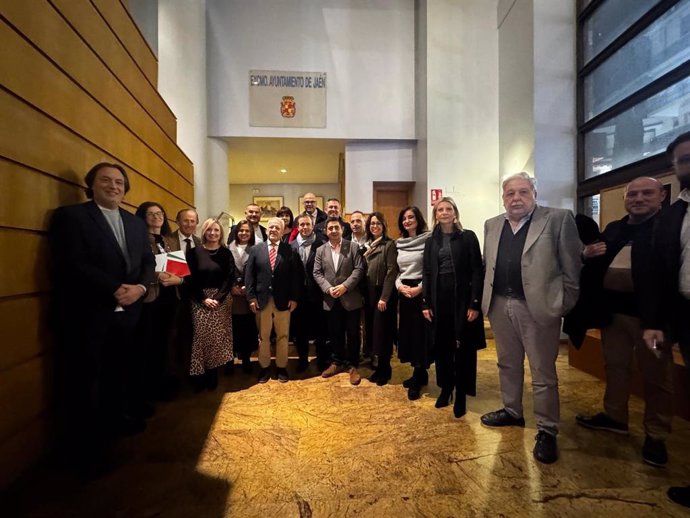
(338, 270)
(103, 264)
(252, 213)
(308, 320)
(311, 210)
(666, 299)
(184, 238)
(273, 281)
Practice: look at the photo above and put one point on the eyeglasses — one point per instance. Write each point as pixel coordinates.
(158, 214)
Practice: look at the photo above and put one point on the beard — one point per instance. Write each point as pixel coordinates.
(684, 181)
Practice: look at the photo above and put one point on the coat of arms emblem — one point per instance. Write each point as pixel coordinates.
(288, 107)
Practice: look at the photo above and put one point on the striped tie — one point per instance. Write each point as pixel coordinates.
(272, 256)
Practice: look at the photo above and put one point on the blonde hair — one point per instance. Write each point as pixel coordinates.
(452, 203)
(206, 225)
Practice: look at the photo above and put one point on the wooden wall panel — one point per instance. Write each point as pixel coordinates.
(118, 18)
(24, 393)
(65, 101)
(24, 449)
(24, 324)
(89, 72)
(90, 26)
(25, 257)
(41, 143)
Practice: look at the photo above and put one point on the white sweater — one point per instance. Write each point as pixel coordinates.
(410, 258)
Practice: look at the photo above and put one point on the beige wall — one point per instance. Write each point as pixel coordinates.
(78, 87)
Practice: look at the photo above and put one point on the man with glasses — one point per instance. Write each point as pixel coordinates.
(310, 209)
(666, 299)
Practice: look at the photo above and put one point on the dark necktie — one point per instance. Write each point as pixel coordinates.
(189, 245)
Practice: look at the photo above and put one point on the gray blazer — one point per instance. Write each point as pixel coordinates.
(550, 262)
(175, 241)
(350, 272)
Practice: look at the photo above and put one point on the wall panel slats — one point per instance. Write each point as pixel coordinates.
(24, 324)
(88, 23)
(121, 23)
(90, 73)
(41, 143)
(26, 257)
(21, 397)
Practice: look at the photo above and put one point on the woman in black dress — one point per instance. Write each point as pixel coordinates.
(452, 288)
(212, 270)
(244, 331)
(412, 342)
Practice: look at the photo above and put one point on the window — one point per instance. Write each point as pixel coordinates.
(634, 88)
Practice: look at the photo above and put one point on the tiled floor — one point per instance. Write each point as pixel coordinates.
(323, 448)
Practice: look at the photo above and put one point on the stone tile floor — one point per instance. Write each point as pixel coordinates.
(323, 448)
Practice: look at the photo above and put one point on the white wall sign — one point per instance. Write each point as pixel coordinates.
(280, 99)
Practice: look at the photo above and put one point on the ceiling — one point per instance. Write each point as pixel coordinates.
(260, 160)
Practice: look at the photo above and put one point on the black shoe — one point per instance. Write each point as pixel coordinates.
(409, 382)
(601, 421)
(444, 398)
(283, 376)
(247, 365)
(374, 378)
(264, 375)
(414, 392)
(212, 379)
(654, 452)
(302, 364)
(142, 410)
(198, 382)
(502, 418)
(460, 405)
(680, 495)
(546, 450)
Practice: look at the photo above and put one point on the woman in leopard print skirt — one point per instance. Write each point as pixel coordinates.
(212, 267)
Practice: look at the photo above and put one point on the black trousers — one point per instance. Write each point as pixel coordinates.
(343, 332)
(309, 322)
(454, 362)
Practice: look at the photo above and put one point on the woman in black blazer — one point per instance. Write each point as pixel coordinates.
(452, 290)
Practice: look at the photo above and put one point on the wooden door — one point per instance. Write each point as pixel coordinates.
(390, 200)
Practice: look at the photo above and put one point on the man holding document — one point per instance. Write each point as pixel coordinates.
(103, 265)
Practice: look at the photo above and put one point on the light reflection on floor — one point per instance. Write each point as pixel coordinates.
(323, 448)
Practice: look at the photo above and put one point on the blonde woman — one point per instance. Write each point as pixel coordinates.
(452, 284)
(212, 274)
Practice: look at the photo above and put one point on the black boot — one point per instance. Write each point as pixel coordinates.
(414, 392)
(444, 398)
(212, 379)
(384, 371)
(460, 405)
(419, 376)
(198, 382)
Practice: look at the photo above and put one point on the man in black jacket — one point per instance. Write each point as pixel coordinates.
(666, 301)
(623, 257)
(103, 266)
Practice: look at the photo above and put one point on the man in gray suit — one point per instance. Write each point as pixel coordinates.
(184, 238)
(338, 269)
(532, 260)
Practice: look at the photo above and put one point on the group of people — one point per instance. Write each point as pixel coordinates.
(317, 277)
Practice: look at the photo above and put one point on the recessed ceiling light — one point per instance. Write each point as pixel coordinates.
(283, 171)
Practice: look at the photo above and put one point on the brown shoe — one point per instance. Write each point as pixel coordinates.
(355, 378)
(332, 370)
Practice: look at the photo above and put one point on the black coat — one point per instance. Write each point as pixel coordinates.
(660, 292)
(311, 292)
(592, 310)
(469, 276)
